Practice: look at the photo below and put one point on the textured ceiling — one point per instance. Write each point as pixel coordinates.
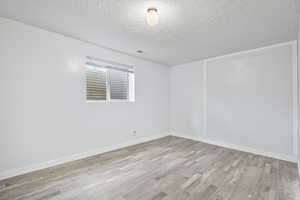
(188, 30)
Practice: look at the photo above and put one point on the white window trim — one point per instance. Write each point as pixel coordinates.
(131, 88)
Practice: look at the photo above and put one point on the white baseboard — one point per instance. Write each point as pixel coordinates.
(289, 158)
(51, 163)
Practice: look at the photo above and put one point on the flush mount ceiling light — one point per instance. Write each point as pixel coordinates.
(152, 16)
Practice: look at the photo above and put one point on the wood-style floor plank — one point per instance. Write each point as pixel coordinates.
(169, 168)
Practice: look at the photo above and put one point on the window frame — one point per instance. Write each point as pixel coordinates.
(113, 66)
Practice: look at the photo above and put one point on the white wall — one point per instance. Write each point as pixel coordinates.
(298, 64)
(242, 101)
(186, 102)
(44, 114)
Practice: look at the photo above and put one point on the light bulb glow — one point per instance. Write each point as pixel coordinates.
(152, 16)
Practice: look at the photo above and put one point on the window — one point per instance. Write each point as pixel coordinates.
(108, 82)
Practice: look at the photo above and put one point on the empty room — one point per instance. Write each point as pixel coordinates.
(149, 100)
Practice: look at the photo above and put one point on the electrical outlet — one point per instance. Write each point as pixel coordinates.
(134, 132)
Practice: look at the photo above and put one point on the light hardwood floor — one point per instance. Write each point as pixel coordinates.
(169, 168)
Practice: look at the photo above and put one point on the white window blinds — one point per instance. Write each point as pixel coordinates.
(96, 83)
(108, 82)
(119, 84)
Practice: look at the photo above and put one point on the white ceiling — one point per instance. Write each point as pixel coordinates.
(188, 29)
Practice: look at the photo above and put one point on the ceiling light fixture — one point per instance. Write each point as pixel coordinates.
(152, 16)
